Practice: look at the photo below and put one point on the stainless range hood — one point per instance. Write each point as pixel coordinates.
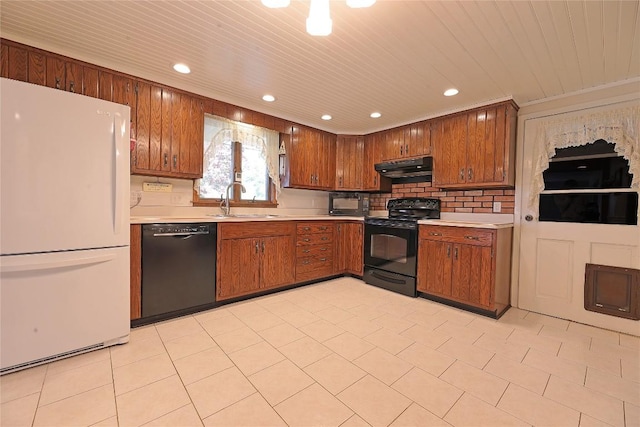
(416, 169)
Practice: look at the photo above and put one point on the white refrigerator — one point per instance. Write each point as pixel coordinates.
(64, 224)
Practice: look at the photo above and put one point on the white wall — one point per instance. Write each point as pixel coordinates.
(179, 201)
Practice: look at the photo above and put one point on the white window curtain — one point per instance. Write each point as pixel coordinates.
(620, 127)
(219, 130)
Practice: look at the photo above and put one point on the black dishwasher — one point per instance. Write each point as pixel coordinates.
(178, 268)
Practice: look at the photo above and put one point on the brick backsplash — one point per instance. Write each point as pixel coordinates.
(469, 201)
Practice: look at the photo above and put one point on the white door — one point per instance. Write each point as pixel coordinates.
(64, 168)
(553, 256)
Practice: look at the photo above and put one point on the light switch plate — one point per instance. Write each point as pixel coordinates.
(497, 206)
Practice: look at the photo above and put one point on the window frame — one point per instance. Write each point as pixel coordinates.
(235, 200)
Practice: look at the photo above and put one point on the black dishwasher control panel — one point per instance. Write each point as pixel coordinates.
(159, 229)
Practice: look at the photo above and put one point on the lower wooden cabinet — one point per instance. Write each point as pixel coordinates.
(468, 266)
(349, 250)
(253, 257)
(314, 250)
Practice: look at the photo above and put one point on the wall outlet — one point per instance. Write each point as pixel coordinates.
(497, 207)
(157, 187)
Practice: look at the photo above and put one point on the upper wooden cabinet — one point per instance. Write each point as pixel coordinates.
(408, 141)
(349, 162)
(373, 151)
(310, 159)
(476, 148)
(170, 129)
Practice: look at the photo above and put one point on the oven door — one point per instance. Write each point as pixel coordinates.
(391, 247)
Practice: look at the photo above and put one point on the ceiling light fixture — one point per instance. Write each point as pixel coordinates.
(375, 115)
(451, 92)
(276, 4)
(269, 98)
(319, 22)
(182, 68)
(326, 117)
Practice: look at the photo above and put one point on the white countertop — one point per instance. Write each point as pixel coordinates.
(471, 224)
(240, 218)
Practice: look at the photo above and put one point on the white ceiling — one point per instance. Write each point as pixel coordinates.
(396, 57)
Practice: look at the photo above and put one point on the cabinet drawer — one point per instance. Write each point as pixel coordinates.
(314, 239)
(241, 230)
(314, 250)
(466, 235)
(313, 267)
(314, 227)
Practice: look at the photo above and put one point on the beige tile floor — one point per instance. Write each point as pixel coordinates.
(340, 353)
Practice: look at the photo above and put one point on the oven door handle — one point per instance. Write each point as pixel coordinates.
(388, 279)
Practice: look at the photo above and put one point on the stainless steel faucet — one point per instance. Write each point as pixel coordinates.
(224, 205)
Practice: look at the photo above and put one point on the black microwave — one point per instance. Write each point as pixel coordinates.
(349, 204)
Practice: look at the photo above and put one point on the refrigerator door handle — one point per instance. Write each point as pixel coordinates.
(119, 132)
(21, 265)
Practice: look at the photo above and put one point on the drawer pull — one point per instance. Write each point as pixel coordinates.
(306, 228)
(323, 249)
(323, 259)
(306, 251)
(306, 262)
(435, 234)
(599, 305)
(472, 237)
(306, 240)
(322, 228)
(324, 238)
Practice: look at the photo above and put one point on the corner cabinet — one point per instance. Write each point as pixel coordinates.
(349, 162)
(310, 162)
(475, 148)
(467, 267)
(170, 132)
(254, 257)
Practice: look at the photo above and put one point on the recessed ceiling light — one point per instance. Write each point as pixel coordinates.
(451, 92)
(326, 117)
(182, 68)
(269, 98)
(375, 115)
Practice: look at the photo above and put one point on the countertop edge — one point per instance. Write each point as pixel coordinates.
(198, 219)
(468, 224)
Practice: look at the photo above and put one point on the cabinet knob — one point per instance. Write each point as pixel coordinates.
(462, 174)
(263, 246)
(455, 253)
(166, 159)
(72, 87)
(57, 82)
(470, 174)
(472, 237)
(175, 160)
(448, 251)
(257, 247)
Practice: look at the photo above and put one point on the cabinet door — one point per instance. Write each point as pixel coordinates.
(4, 60)
(55, 73)
(349, 160)
(450, 151)
(238, 267)
(124, 93)
(434, 267)
(37, 68)
(141, 159)
(17, 64)
(419, 139)
(354, 236)
(481, 146)
(90, 79)
(105, 85)
(278, 261)
(341, 248)
(472, 274)
(371, 179)
(195, 138)
(73, 76)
